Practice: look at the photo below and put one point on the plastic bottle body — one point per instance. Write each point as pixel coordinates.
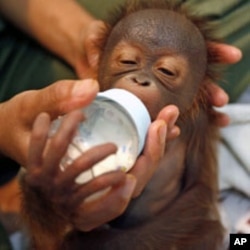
(109, 120)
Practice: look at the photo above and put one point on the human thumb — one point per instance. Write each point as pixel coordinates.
(63, 96)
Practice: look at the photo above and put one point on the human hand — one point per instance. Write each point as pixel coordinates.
(86, 63)
(218, 97)
(19, 113)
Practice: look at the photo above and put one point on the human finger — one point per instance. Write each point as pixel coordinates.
(226, 54)
(218, 98)
(93, 41)
(58, 98)
(220, 119)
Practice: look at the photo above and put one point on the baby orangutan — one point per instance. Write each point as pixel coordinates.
(159, 52)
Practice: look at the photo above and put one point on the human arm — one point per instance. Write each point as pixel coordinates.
(62, 26)
(19, 113)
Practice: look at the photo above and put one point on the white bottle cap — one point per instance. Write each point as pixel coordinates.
(135, 109)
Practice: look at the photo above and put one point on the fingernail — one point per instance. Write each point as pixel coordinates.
(162, 132)
(237, 52)
(129, 186)
(93, 60)
(173, 120)
(223, 98)
(84, 87)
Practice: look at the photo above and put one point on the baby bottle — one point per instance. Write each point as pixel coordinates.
(115, 116)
